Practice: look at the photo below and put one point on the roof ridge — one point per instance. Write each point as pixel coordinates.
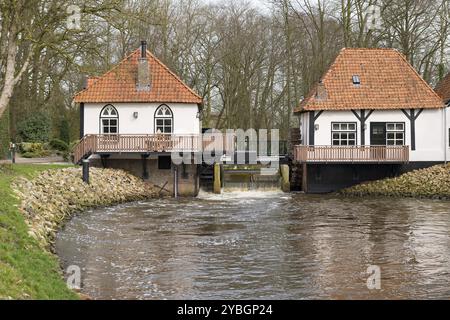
(109, 71)
(386, 58)
(173, 74)
(190, 94)
(321, 79)
(362, 48)
(402, 56)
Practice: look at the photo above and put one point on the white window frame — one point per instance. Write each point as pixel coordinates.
(164, 115)
(108, 115)
(395, 134)
(341, 133)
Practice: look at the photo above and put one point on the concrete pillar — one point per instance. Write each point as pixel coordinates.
(217, 183)
(285, 183)
(145, 174)
(175, 182)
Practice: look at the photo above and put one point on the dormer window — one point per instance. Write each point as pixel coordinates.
(356, 80)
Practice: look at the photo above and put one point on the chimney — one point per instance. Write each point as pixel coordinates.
(143, 49)
(321, 93)
(85, 82)
(91, 81)
(143, 76)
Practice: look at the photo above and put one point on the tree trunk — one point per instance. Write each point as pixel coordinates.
(11, 79)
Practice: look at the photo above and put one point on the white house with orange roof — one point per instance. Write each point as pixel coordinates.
(135, 115)
(371, 116)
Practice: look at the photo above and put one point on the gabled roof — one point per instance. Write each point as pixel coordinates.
(443, 89)
(119, 84)
(387, 81)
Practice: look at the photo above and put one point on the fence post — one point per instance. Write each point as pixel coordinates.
(12, 148)
(86, 170)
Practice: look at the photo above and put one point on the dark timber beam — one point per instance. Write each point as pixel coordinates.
(145, 174)
(103, 158)
(412, 116)
(362, 117)
(313, 116)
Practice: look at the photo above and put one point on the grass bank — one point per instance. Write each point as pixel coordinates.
(26, 270)
(431, 183)
(35, 201)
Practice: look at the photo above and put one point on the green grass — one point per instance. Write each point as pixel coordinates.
(26, 271)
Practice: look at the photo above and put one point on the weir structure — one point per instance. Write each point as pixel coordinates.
(221, 162)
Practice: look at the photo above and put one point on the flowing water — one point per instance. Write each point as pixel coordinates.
(261, 246)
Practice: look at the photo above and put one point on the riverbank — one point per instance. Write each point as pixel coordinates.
(430, 183)
(26, 271)
(35, 200)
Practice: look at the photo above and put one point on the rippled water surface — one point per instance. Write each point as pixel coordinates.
(261, 246)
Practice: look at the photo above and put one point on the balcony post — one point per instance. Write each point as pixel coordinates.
(175, 181)
(305, 177)
(144, 158)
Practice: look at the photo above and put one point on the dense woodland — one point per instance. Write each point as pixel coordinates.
(251, 64)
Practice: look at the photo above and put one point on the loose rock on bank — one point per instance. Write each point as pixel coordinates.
(53, 196)
(433, 183)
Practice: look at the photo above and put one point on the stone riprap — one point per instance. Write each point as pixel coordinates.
(53, 196)
(432, 183)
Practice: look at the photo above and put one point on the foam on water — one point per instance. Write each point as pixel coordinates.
(233, 195)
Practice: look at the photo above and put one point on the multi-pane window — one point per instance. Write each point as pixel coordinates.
(343, 133)
(163, 120)
(109, 120)
(395, 134)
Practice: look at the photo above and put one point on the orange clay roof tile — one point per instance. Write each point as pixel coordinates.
(119, 84)
(388, 81)
(443, 88)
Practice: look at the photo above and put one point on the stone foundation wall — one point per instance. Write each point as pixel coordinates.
(162, 179)
(326, 178)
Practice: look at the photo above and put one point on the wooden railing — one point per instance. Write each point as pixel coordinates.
(136, 143)
(150, 143)
(351, 154)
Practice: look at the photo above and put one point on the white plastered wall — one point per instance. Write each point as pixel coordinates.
(185, 118)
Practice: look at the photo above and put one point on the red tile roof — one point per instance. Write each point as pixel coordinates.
(119, 84)
(388, 81)
(443, 89)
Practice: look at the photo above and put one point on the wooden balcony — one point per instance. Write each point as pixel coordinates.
(351, 154)
(91, 144)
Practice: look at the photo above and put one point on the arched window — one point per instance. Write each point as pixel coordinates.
(163, 120)
(109, 120)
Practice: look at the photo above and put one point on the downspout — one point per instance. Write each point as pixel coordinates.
(81, 120)
(446, 134)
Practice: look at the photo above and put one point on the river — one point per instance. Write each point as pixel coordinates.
(261, 246)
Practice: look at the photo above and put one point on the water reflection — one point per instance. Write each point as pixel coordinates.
(261, 245)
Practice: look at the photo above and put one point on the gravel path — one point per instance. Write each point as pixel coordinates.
(47, 160)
